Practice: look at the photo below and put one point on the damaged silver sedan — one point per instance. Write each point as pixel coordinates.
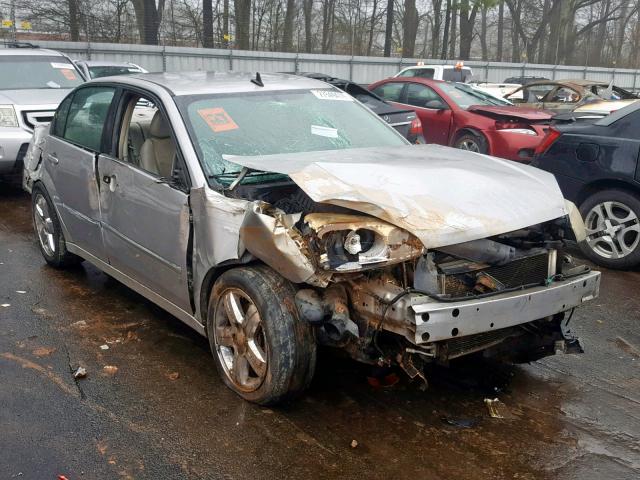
(275, 213)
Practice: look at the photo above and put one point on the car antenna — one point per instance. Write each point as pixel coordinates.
(258, 80)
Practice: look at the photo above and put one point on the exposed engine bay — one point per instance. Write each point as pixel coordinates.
(367, 281)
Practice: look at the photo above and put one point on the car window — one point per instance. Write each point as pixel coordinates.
(145, 139)
(274, 122)
(60, 117)
(87, 115)
(22, 72)
(533, 94)
(419, 72)
(390, 91)
(563, 95)
(418, 95)
(456, 75)
(106, 71)
(464, 95)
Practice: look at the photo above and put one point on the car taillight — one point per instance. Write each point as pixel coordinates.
(548, 140)
(416, 127)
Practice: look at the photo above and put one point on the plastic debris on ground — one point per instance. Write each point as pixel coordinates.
(354, 443)
(80, 372)
(461, 422)
(173, 376)
(497, 409)
(104, 347)
(110, 369)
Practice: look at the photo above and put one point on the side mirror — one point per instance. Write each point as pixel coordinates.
(435, 105)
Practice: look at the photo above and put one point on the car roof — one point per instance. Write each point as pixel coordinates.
(426, 81)
(44, 52)
(416, 67)
(194, 83)
(96, 63)
(580, 82)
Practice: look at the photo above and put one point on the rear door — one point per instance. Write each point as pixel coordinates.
(144, 200)
(70, 163)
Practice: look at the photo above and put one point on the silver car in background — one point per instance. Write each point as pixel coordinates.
(274, 213)
(97, 69)
(33, 81)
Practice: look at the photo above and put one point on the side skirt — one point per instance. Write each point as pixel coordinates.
(139, 288)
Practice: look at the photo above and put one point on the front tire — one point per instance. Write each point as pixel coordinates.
(612, 221)
(263, 351)
(472, 142)
(49, 232)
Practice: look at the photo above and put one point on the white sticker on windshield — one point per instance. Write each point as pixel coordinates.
(324, 131)
(62, 65)
(51, 84)
(332, 95)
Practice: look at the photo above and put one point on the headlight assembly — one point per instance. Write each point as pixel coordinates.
(8, 116)
(347, 243)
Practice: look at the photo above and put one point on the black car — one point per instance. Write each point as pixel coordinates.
(404, 121)
(596, 165)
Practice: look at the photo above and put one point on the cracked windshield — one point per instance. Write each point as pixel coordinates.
(279, 122)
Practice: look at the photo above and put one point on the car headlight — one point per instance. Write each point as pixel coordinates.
(348, 243)
(8, 116)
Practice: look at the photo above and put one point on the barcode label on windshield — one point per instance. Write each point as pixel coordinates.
(332, 95)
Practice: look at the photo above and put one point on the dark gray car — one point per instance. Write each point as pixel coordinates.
(273, 213)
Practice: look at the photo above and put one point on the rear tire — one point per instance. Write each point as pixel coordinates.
(262, 349)
(51, 240)
(612, 219)
(472, 142)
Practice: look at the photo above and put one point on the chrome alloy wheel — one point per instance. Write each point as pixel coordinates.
(240, 340)
(44, 225)
(469, 145)
(613, 230)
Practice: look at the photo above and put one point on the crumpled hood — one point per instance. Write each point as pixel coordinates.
(523, 113)
(442, 195)
(36, 96)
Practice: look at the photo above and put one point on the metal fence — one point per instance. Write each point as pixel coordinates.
(359, 69)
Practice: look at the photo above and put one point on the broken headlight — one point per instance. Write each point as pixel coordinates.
(348, 243)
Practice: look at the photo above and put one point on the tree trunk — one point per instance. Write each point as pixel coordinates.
(328, 9)
(500, 31)
(515, 41)
(207, 23)
(437, 24)
(307, 10)
(372, 27)
(388, 32)
(454, 30)
(148, 17)
(74, 21)
(467, 21)
(225, 23)
(243, 21)
(445, 35)
(410, 28)
(483, 34)
(287, 36)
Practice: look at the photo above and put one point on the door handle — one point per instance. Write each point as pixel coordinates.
(53, 158)
(111, 181)
(106, 179)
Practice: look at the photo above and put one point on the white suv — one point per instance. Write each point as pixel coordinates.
(32, 84)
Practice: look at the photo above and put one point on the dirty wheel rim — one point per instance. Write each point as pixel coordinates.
(613, 230)
(469, 145)
(240, 340)
(44, 225)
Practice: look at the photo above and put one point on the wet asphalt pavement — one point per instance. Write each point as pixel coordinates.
(159, 411)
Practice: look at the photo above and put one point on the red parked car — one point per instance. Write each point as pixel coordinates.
(460, 116)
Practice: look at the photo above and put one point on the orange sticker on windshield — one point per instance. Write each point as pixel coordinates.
(68, 74)
(217, 119)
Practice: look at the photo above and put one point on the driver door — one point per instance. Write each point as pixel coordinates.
(144, 201)
(436, 122)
